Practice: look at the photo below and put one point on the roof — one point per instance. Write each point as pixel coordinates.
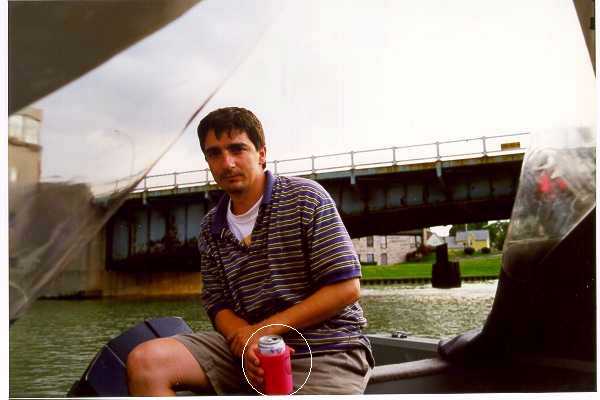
(482, 234)
(452, 243)
(434, 240)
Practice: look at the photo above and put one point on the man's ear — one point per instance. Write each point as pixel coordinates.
(262, 155)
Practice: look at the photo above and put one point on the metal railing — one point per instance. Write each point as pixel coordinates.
(388, 156)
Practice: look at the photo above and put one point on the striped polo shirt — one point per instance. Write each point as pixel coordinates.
(298, 245)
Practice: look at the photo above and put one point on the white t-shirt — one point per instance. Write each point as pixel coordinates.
(241, 225)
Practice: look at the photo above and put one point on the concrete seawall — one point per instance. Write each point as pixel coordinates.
(395, 281)
(86, 276)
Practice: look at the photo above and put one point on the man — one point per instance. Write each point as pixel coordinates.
(275, 254)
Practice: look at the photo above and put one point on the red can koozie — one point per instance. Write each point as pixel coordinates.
(274, 358)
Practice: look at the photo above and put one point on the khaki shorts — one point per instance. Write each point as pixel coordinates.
(333, 373)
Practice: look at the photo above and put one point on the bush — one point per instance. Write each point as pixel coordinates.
(414, 256)
(469, 250)
(365, 263)
(485, 250)
(425, 249)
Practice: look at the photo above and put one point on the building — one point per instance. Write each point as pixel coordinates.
(24, 150)
(384, 250)
(434, 240)
(476, 239)
(452, 244)
(24, 159)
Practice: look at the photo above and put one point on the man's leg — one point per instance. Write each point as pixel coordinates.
(343, 373)
(159, 367)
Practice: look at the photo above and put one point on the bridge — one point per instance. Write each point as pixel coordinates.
(377, 191)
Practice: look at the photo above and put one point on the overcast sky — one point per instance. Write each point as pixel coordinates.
(340, 76)
(325, 77)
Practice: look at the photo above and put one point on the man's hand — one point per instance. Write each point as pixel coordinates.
(241, 336)
(254, 372)
(252, 367)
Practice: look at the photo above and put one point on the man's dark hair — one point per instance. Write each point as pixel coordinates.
(226, 119)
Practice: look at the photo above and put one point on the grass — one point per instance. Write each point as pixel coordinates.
(487, 265)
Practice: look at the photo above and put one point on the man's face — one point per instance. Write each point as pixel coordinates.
(234, 161)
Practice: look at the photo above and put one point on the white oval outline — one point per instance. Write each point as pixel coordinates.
(246, 345)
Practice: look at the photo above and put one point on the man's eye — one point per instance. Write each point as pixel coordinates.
(212, 154)
(236, 149)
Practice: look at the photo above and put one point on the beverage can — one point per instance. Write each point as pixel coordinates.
(275, 360)
(271, 345)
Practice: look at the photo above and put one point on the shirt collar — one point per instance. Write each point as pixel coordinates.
(220, 220)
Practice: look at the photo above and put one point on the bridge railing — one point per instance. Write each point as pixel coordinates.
(387, 156)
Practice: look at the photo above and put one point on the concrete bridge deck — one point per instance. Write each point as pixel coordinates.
(391, 198)
(149, 246)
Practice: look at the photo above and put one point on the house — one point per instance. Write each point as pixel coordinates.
(434, 240)
(451, 241)
(476, 239)
(386, 249)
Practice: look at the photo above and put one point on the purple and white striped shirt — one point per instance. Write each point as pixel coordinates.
(299, 244)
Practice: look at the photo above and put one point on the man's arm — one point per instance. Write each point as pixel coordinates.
(214, 298)
(229, 323)
(325, 303)
(332, 263)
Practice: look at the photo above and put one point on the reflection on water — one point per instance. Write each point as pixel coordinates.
(51, 346)
(426, 311)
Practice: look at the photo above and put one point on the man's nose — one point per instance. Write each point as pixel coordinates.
(228, 159)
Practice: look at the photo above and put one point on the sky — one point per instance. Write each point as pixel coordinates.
(323, 77)
(340, 76)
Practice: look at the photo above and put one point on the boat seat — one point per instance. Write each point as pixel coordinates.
(407, 370)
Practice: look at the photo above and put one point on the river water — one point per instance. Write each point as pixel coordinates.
(51, 345)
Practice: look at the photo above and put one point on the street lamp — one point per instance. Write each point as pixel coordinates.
(132, 144)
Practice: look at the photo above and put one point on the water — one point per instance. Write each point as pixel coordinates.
(51, 346)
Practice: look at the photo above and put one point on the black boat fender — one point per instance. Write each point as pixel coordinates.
(106, 376)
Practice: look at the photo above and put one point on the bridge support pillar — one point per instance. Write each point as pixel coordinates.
(444, 274)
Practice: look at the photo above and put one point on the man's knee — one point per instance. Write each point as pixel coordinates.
(159, 365)
(146, 359)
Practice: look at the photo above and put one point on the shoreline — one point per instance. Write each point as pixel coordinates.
(423, 280)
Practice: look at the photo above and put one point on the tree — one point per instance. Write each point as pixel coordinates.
(497, 231)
